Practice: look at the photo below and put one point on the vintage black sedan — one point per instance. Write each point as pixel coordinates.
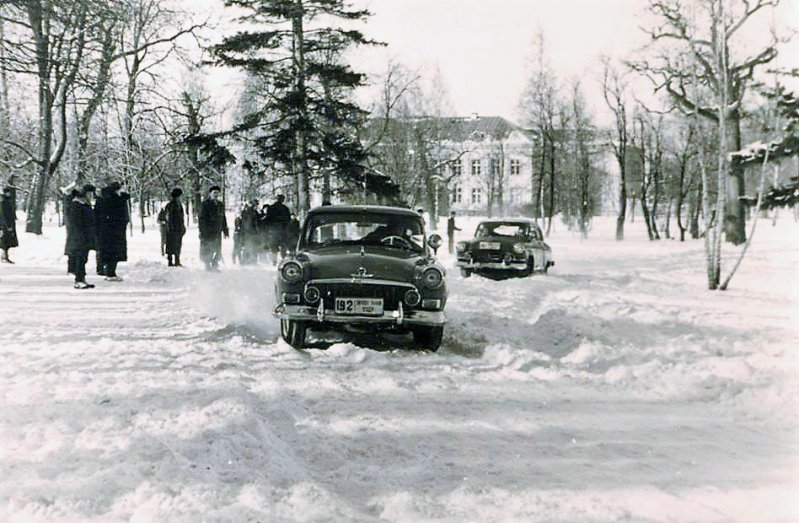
(501, 248)
(362, 269)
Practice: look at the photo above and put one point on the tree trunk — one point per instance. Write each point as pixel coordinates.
(734, 210)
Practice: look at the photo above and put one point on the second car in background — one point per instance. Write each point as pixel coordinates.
(502, 248)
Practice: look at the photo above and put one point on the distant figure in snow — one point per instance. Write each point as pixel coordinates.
(292, 234)
(278, 217)
(68, 194)
(451, 228)
(213, 225)
(8, 223)
(80, 234)
(174, 228)
(111, 215)
(162, 229)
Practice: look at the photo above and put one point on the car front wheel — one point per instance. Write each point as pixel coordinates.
(466, 272)
(428, 338)
(293, 332)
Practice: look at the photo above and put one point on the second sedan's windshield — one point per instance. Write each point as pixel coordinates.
(398, 231)
(509, 230)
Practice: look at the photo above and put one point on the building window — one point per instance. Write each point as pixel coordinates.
(477, 195)
(476, 168)
(455, 165)
(515, 167)
(495, 165)
(456, 194)
(516, 195)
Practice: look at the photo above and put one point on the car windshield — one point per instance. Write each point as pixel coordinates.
(391, 230)
(508, 230)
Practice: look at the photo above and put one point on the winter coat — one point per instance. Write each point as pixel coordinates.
(111, 215)
(175, 225)
(80, 229)
(212, 221)
(8, 223)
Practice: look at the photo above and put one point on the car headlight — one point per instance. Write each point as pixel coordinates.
(518, 248)
(312, 294)
(291, 272)
(432, 278)
(412, 298)
(461, 246)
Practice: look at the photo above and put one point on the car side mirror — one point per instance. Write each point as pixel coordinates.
(434, 241)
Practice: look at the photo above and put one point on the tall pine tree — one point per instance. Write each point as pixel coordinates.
(308, 123)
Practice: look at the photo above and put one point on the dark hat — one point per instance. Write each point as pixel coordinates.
(215, 188)
(115, 186)
(8, 189)
(176, 192)
(280, 197)
(88, 188)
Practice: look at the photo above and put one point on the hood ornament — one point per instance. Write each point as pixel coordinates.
(361, 274)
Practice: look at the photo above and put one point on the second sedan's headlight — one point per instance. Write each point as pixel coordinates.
(291, 272)
(461, 246)
(432, 278)
(518, 248)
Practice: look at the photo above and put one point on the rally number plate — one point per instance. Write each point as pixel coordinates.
(359, 306)
(489, 246)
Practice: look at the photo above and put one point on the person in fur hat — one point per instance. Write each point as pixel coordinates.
(175, 226)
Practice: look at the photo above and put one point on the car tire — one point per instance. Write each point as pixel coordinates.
(530, 267)
(293, 332)
(466, 272)
(428, 338)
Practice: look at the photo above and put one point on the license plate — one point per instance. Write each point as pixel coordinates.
(359, 306)
(489, 246)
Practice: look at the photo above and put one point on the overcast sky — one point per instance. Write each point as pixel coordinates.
(482, 47)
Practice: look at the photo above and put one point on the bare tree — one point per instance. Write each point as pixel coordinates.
(706, 32)
(615, 94)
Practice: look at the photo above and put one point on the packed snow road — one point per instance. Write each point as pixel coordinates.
(615, 388)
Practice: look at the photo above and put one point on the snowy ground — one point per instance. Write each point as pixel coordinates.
(615, 388)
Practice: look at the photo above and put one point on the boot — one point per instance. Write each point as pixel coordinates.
(4, 258)
(83, 285)
(169, 262)
(177, 261)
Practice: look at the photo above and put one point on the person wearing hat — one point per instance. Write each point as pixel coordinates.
(111, 214)
(8, 223)
(175, 227)
(213, 225)
(80, 234)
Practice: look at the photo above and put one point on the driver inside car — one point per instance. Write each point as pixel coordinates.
(386, 231)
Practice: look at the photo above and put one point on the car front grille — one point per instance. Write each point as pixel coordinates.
(487, 256)
(391, 294)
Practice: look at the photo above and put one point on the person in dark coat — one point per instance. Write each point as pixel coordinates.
(451, 228)
(80, 234)
(8, 223)
(249, 233)
(278, 216)
(111, 213)
(213, 225)
(292, 234)
(175, 227)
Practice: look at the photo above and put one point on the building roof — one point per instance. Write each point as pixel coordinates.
(460, 129)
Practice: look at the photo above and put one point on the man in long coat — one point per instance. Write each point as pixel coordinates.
(175, 227)
(111, 213)
(8, 224)
(80, 235)
(213, 225)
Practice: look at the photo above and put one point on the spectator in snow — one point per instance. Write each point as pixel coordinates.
(451, 228)
(111, 214)
(213, 225)
(249, 233)
(278, 216)
(292, 233)
(8, 223)
(174, 228)
(80, 234)
(162, 229)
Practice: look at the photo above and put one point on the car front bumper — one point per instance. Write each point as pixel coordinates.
(398, 317)
(476, 266)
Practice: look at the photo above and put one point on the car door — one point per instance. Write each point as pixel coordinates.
(541, 252)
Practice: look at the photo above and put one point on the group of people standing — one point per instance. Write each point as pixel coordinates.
(100, 228)
(273, 229)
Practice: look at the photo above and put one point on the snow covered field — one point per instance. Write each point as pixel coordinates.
(615, 388)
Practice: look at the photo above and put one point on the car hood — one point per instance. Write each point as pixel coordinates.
(378, 263)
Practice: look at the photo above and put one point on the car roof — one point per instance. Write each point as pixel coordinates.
(509, 221)
(367, 209)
